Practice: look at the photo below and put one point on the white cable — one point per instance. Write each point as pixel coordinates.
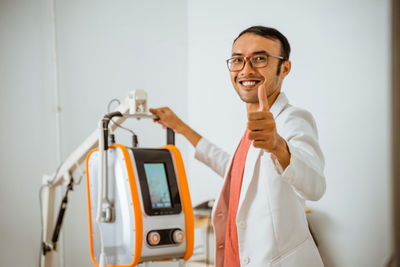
(102, 259)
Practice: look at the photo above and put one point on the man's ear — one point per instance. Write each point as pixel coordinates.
(285, 68)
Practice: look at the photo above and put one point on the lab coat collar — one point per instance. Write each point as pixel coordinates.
(279, 104)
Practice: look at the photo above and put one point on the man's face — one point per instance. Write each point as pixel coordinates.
(247, 80)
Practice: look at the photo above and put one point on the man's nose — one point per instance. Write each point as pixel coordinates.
(247, 68)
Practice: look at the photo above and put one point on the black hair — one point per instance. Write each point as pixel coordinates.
(273, 34)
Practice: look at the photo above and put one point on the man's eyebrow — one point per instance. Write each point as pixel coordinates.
(254, 53)
(236, 54)
(260, 52)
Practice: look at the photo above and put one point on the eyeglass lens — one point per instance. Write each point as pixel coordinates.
(236, 64)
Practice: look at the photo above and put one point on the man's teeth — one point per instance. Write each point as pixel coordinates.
(249, 83)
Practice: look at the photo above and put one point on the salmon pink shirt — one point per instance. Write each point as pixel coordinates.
(231, 257)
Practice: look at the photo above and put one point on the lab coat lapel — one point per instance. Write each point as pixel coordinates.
(254, 153)
(251, 160)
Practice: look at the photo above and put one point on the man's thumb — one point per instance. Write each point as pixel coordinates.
(262, 99)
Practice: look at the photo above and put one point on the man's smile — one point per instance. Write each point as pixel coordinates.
(249, 83)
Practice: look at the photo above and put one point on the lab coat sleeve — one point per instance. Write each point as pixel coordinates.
(212, 156)
(305, 170)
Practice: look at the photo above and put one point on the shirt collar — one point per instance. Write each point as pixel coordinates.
(279, 104)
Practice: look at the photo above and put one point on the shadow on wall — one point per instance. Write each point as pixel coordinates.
(319, 222)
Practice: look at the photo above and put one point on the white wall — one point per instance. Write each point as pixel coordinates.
(27, 148)
(340, 72)
(105, 50)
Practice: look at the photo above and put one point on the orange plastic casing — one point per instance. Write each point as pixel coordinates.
(185, 199)
(136, 208)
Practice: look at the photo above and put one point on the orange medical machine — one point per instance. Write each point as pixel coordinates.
(139, 202)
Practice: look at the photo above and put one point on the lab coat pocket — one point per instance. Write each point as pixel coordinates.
(304, 255)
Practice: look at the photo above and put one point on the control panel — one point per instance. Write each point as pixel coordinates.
(164, 237)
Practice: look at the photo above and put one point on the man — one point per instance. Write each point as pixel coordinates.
(259, 217)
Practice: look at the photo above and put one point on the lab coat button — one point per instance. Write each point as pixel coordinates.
(291, 180)
(245, 260)
(242, 224)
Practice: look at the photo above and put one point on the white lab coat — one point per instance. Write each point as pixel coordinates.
(271, 222)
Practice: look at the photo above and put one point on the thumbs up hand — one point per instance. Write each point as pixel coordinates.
(262, 99)
(262, 126)
(263, 132)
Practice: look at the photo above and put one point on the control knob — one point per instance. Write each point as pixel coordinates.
(153, 238)
(178, 236)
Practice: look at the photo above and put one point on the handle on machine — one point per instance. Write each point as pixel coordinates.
(170, 137)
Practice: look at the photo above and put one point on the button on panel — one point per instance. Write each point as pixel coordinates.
(178, 236)
(153, 238)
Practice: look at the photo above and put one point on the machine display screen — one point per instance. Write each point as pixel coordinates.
(157, 181)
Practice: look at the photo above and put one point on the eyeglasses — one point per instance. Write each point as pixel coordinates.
(256, 61)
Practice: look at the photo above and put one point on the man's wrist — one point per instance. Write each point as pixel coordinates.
(281, 152)
(183, 128)
(192, 136)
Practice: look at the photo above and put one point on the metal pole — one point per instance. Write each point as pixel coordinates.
(61, 248)
(396, 129)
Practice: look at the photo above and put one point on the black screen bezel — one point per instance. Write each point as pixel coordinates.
(163, 156)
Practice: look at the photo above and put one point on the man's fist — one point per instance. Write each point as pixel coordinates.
(261, 124)
(168, 119)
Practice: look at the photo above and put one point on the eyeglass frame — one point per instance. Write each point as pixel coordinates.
(248, 59)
